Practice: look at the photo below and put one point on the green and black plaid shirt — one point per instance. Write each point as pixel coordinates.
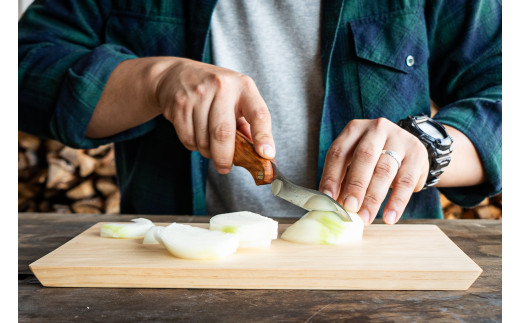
(67, 50)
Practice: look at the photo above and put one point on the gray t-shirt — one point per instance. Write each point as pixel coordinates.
(277, 43)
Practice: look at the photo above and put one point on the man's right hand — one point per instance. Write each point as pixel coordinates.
(205, 103)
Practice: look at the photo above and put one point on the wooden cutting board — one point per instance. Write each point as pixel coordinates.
(398, 257)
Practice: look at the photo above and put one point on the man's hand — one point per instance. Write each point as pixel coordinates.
(205, 103)
(358, 175)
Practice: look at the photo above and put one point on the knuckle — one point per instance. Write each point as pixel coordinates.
(371, 199)
(223, 132)
(218, 81)
(336, 151)
(356, 185)
(381, 123)
(329, 181)
(354, 126)
(406, 182)
(247, 82)
(365, 154)
(200, 89)
(383, 169)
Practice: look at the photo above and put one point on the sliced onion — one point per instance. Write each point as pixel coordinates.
(319, 203)
(325, 227)
(137, 229)
(253, 230)
(189, 242)
(149, 237)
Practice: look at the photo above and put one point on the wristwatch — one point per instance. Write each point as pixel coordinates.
(437, 141)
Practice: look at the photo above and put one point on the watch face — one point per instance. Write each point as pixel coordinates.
(430, 130)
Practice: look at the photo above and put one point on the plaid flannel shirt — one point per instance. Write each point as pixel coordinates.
(67, 50)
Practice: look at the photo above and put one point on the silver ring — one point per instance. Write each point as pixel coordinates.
(394, 155)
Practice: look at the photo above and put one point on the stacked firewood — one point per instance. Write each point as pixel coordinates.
(489, 209)
(56, 178)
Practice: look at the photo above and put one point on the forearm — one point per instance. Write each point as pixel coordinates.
(128, 98)
(465, 168)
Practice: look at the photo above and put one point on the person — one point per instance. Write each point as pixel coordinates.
(345, 88)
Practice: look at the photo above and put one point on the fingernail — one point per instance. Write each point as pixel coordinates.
(390, 217)
(223, 171)
(364, 216)
(327, 192)
(267, 151)
(351, 204)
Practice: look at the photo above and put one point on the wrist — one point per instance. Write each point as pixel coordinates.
(437, 141)
(153, 75)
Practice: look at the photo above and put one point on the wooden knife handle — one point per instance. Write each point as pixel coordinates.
(245, 156)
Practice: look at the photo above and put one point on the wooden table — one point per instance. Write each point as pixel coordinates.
(41, 233)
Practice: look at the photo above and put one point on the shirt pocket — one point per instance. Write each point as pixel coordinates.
(392, 54)
(146, 34)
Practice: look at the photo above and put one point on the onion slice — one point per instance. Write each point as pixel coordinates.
(137, 229)
(149, 237)
(319, 203)
(325, 227)
(253, 230)
(189, 242)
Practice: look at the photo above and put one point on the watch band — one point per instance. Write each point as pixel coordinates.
(439, 149)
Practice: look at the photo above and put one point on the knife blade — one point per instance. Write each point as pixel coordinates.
(265, 171)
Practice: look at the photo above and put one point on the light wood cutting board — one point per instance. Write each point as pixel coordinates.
(398, 257)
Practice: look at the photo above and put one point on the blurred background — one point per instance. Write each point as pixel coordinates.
(56, 178)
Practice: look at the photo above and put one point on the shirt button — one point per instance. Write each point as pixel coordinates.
(410, 61)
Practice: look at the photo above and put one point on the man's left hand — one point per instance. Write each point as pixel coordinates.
(358, 174)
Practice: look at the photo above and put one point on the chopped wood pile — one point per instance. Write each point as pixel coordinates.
(56, 178)
(489, 209)
(59, 179)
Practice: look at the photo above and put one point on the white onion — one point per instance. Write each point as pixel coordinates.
(149, 237)
(253, 230)
(325, 227)
(137, 229)
(189, 242)
(320, 203)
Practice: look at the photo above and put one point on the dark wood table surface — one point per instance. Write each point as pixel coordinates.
(40, 233)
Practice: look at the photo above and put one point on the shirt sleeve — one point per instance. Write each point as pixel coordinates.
(63, 66)
(465, 42)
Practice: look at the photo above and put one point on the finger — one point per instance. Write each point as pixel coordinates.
(253, 108)
(179, 112)
(383, 176)
(244, 127)
(410, 178)
(336, 160)
(364, 160)
(200, 124)
(182, 121)
(222, 126)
